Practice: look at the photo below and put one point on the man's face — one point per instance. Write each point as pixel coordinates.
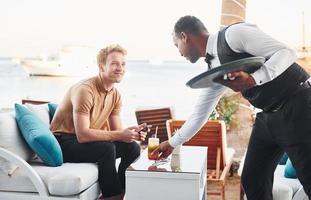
(185, 45)
(114, 68)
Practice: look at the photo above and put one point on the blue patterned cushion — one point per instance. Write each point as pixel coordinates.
(290, 171)
(38, 136)
(52, 109)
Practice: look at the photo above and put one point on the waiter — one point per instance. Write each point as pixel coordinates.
(281, 88)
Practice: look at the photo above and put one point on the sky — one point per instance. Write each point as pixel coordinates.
(143, 27)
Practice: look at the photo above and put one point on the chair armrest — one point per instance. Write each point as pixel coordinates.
(225, 170)
(25, 167)
(230, 154)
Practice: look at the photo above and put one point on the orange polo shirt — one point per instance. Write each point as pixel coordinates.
(90, 98)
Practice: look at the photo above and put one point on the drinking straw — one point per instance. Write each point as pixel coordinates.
(156, 132)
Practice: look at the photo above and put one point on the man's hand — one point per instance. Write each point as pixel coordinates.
(165, 149)
(237, 81)
(131, 134)
(144, 131)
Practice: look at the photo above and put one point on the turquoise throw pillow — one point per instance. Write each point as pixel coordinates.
(290, 171)
(283, 159)
(38, 136)
(52, 109)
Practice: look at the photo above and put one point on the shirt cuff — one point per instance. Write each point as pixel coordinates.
(261, 76)
(175, 140)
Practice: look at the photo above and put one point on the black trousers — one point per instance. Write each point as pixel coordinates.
(286, 130)
(111, 181)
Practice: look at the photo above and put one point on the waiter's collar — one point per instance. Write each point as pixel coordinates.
(210, 44)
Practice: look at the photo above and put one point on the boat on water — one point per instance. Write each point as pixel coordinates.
(69, 61)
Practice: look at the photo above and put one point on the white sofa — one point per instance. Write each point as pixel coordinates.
(283, 188)
(23, 178)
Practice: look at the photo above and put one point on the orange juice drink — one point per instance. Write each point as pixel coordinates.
(153, 143)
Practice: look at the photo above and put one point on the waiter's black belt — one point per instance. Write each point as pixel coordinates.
(277, 106)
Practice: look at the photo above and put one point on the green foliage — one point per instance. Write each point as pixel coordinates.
(214, 115)
(226, 109)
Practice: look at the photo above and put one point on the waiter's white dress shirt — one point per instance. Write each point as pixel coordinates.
(243, 37)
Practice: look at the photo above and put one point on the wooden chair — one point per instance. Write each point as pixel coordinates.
(155, 117)
(219, 156)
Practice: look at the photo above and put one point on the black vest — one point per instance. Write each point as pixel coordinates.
(268, 94)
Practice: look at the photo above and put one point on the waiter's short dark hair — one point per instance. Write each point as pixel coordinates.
(189, 24)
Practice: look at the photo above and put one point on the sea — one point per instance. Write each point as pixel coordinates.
(145, 85)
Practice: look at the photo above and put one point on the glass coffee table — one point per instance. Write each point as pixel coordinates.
(181, 176)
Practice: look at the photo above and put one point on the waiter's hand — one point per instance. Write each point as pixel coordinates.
(237, 81)
(165, 149)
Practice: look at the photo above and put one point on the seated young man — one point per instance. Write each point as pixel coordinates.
(88, 128)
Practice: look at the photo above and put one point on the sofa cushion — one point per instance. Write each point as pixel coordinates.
(41, 111)
(11, 140)
(38, 136)
(283, 188)
(280, 179)
(52, 109)
(65, 180)
(289, 171)
(282, 192)
(300, 195)
(68, 179)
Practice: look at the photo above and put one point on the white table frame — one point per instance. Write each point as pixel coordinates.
(168, 185)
